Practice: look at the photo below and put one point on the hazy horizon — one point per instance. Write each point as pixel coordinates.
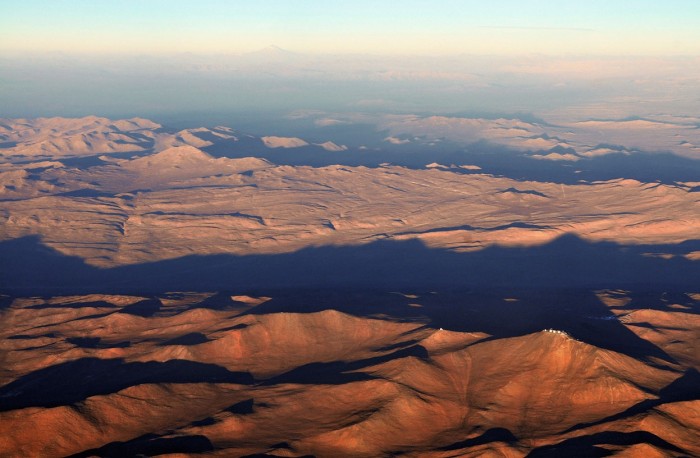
(270, 84)
(232, 62)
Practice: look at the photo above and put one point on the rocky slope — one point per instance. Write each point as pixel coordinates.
(235, 375)
(175, 201)
(431, 310)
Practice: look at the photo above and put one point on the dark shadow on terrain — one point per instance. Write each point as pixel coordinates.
(242, 408)
(223, 301)
(51, 335)
(146, 308)
(85, 193)
(193, 338)
(467, 227)
(645, 167)
(492, 435)
(499, 312)
(85, 162)
(95, 342)
(526, 191)
(72, 305)
(338, 372)
(74, 381)
(205, 422)
(5, 301)
(231, 328)
(150, 445)
(662, 301)
(503, 292)
(335, 373)
(493, 159)
(684, 388)
(588, 446)
(284, 447)
(267, 455)
(28, 267)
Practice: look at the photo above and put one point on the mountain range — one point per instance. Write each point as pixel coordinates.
(450, 288)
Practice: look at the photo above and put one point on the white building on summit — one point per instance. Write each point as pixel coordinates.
(557, 331)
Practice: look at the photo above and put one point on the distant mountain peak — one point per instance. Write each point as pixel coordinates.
(272, 51)
(172, 157)
(274, 48)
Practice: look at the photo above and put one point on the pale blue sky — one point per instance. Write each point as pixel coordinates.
(638, 27)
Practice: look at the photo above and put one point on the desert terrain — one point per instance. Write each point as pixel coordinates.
(507, 373)
(208, 292)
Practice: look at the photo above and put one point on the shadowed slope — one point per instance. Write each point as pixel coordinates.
(74, 381)
(341, 373)
(27, 266)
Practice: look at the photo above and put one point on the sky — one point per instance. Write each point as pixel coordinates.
(196, 61)
(408, 27)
